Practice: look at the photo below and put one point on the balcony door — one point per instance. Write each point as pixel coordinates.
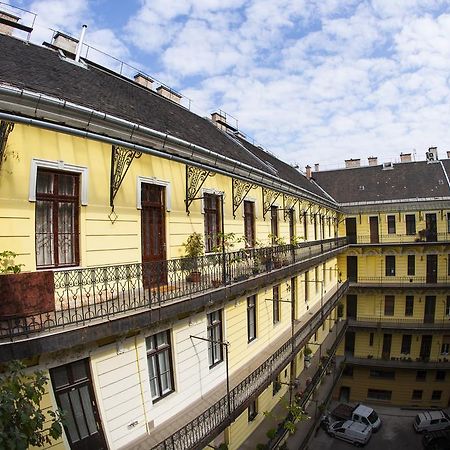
(352, 306)
(432, 267)
(431, 227)
(425, 346)
(430, 307)
(387, 341)
(153, 234)
(352, 268)
(350, 228)
(350, 343)
(374, 236)
(75, 396)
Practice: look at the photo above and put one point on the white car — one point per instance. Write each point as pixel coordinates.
(431, 421)
(354, 432)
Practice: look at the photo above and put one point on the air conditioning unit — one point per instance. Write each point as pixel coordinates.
(388, 165)
(431, 154)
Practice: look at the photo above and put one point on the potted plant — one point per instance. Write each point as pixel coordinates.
(194, 248)
(307, 357)
(24, 293)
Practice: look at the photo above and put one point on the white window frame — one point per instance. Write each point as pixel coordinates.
(212, 192)
(62, 166)
(152, 180)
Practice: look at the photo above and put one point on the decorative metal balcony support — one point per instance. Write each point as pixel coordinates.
(195, 178)
(240, 190)
(121, 159)
(289, 203)
(5, 129)
(269, 197)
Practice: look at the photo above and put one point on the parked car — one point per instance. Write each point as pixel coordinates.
(437, 440)
(354, 432)
(359, 413)
(431, 421)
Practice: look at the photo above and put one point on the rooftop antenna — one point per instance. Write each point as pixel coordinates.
(80, 43)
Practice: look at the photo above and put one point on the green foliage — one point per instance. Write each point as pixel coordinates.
(261, 447)
(21, 418)
(7, 263)
(194, 247)
(271, 433)
(276, 240)
(308, 351)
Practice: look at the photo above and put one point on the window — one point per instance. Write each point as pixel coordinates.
(447, 306)
(251, 318)
(409, 305)
(389, 305)
(315, 227)
(371, 339)
(379, 394)
(274, 223)
(406, 344)
(445, 347)
(391, 224)
(276, 303)
(348, 371)
(436, 395)
(410, 223)
(440, 375)
(448, 222)
(384, 374)
(448, 265)
(306, 286)
(57, 212)
(249, 223)
(305, 226)
(159, 360)
(411, 265)
(421, 375)
(215, 351)
(276, 385)
(417, 394)
(213, 221)
(252, 411)
(390, 266)
(316, 278)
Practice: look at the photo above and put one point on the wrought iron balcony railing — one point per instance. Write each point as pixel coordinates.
(402, 281)
(87, 294)
(200, 431)
(405, 323)
(396, 238)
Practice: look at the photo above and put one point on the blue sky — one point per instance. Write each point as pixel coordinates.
(311, 81)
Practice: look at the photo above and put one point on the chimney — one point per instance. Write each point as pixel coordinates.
(220, 120)
(6, 28)
(65, 42)
(316, 167)
(80, 43)
(431, 154)
(373, 160)
(143, 80)
(308, 171)
(352, 163)
(405, 157)
(448, 154)
(168, 93)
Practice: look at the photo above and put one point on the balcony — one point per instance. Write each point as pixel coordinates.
(400, 282)
(421, 238)
(88, 296)
(191, 430)
(400, 363)
(393, 323)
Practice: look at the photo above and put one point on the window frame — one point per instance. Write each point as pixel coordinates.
(411, 266)
(153, 353)
(390, 265)
(55, 199)
(274, 223)
(410, 224)
(391, 226)
(251, 318)
(436, 395)
(249, 223)
(409, 305)
(212, 216)
(276, 316)
(405, 345)
(214, 326)
(389, 305)
(252, 410)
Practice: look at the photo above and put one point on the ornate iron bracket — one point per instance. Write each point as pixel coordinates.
(5, 129)
(195, 178)
(288, 204)
(240, 189)
(268, 197)
(121, 159)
